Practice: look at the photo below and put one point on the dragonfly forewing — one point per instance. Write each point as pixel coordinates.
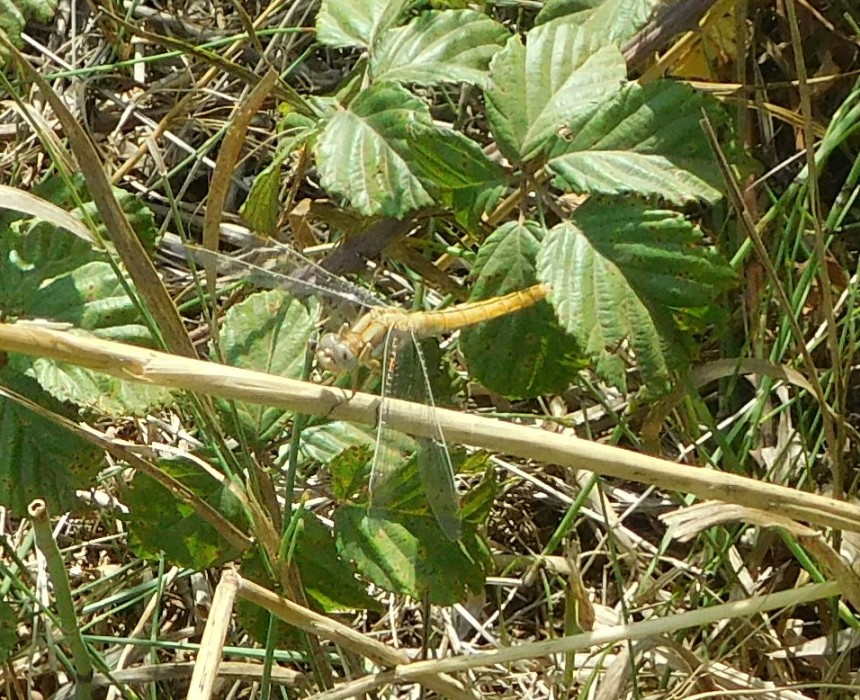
(276, 266)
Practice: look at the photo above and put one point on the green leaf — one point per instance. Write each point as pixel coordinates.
(160, 522)
(616, 273)
(90, 298)
(38, 459)
(553, 9)
(616, 21)
(101, 393)
(73, 195)
(30, 259)
(324, 443)
(46, 272)
(328, 578)
(362, 154)
(469, 205)
(260, 210)
(436, 47)
(647, 140)
(561, 72)
(457, 172)
(350, 472)
(454, 4)
(437, 480)
(35, 254)
(418, 485)
(342, 23)
(416, 376)
(479, 500)
(661, 254)
(398, 487)
(410, 555)
(15, 13)
(327, 443)
(349, 452)
(267, 332)
(446, 160)
(534, 355)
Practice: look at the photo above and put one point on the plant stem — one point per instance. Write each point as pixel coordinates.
(38, 512)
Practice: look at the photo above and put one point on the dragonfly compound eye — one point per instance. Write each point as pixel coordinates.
(334, 355)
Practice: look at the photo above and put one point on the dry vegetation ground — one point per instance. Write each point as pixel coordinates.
(158, 126)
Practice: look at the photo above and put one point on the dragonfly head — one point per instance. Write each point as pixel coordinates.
(334, 355)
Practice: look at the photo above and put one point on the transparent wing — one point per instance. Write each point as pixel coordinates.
(405, 375)
(273, 265)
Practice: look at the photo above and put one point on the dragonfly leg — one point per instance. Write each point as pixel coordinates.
(354, 383)
(366, 358)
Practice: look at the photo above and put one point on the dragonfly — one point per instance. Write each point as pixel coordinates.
(378, 339)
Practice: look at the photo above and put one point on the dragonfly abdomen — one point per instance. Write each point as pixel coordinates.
(426, 323)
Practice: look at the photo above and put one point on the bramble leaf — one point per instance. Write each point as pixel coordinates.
(37, 458)
(342, 23)
(436, 47)
(408, 554)
(617, 21)
(267, 332)
(362, 154)
(618, 271)
(48, 273)
(455, 170)
(160, 522)
(645, 140)
(525, 353)
(15, 13)
(560, 73)
(447, 160)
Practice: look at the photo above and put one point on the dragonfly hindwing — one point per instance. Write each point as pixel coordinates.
(405, 376)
